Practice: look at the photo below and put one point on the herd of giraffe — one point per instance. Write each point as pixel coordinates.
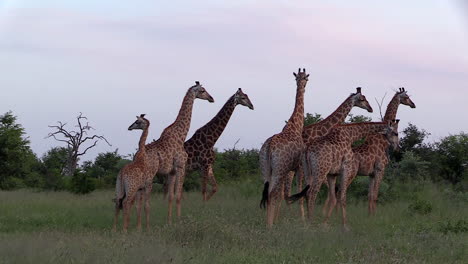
(313, 153)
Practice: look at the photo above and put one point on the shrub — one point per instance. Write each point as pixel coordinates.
(421, 207)
(53, 180)
(193, 180)
(460, 226)
(12, 183)
(81, 183)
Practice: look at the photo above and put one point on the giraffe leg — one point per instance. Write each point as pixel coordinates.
(331, 184)
(351, 175)
(331, 197)
(204, 183)
(279, 201)
(274, 196)
(148, 188)
(288, 184)
(213, 183)
(139, 199)
(170, 192)
(180, 177)
(127, 205)
(299, 180)
(375, 194)
(343, 188)
(370, 195)
(311, 197)
(271, 205)
(178, 193)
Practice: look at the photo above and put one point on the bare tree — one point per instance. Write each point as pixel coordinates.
(380, 106)
(75, 140)
(234, 147)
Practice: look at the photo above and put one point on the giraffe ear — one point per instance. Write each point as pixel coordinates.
(307, 76)
(295, 75)
(142, 115)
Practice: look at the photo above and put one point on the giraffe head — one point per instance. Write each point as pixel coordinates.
(391, 133)
(141, 123)
(301, 77)
(404, 98)
(201, 93)
(360, 100)
(242, 99)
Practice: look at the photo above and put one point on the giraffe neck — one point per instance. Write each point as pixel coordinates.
(338, 116)
(392, 108)
(181, 125)
(141, 144)
(296, 121)
(215, 127)
(357, 131)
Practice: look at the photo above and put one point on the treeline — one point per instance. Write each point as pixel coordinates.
(441, 162)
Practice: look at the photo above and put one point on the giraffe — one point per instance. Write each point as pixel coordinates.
(200, 146)
(281, 152)
(132, 177)
(332, 155)
(167, 156)
(322, 128)
(371, 158)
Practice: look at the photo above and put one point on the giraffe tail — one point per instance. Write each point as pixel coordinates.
(297, 196)
(306, 169)
(119, 192)
(266, 171)
(264, 200)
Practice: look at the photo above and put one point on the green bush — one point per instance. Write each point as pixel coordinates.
(12, 183)
(81, 183)
(460, 226)
(421, 207)
(53, 180)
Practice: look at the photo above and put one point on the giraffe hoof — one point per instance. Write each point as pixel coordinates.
(346, 228)
(325, 226)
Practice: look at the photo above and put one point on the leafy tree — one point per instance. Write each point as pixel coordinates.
(358, 118)
(54, 162)
(105, 167)
(17, 160)
(453, 157)
(312, 118)
(55, 158)
(411, 167)
(413, 138)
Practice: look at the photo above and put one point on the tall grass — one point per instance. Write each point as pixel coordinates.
(57, 227)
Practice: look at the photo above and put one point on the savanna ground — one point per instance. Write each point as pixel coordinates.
(59, 227)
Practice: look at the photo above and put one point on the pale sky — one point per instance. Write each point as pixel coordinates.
(113, 60)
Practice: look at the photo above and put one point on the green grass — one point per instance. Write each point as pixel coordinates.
(41, 227)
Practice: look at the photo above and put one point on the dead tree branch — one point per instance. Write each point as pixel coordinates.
(75, 140)
(380, 106)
